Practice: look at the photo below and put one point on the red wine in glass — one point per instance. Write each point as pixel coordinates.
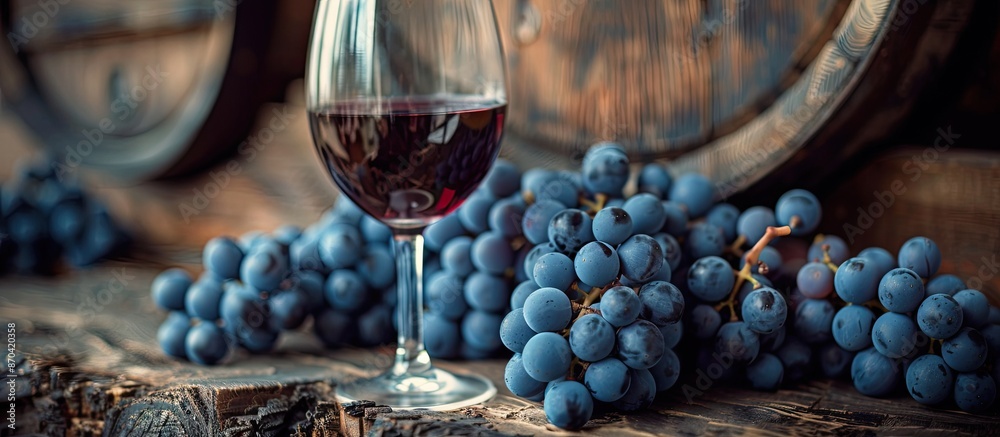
(409, 161)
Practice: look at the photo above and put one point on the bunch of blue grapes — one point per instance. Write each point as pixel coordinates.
(46, 218)
(595, 318)
(339, 273)
(739, 307)
(901, 325)
(470, 269)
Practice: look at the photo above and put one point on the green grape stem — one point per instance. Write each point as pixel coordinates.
(593, 206)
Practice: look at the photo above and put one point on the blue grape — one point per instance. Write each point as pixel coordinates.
(764, 310)
(901, 290)
(554, 270)
(940, 316)
(947, 284)
(966, 351)
(607, 379)
(921, 255)
(67, 222)
(503, 179)
(641, 258)
(378, 266)
(815, 280)
(515, 332)
(605, 169)
(994, 315)
(445, 295)
(374, 231)
(206, 344)
(547, 310)
(339, 246)
(640, 344)
(874, 374)
(655, 179)
(442, 336)
(991, 333)
(376, 326)
(646, 212)
(671, 249)
(304, 253)
(802, 204)
(641, 391)
(695, 191)
(797, 359)
(517, 267)
(894, 335)
(570, 229)
(676, 223)
(724, 216)
(506, 217)
(169, 289)
(481, 330)
(335, 328)
(345, 290)
(346, 210)
(222, 256)
(486, 292)
(672, 334)
(711, 279)
(491, 253)
(257, 340)
(753, 223)
(289, 309)
(591, 338)
(521, 292)
(568, 405)
(662, 303)
(612, 225)
(265, 266)
(473, 215)
(665, 274)
(535, 221)
(518, 381)
(736, 340)
(929, 381)
(975, 307)
(975, 392)
(203, 299)
(666, 371)
(532, 257)
(766, 373)
(855, 281)
(172, 334)
(813, 320)
(449, 227)
(547, 356)
(705, 239)
(852, 327)
(835, 361)
(881, 260)
(773, 341)
(456, 256)
(838, 249)
(596, 263)
(559, 187)
(620, 306)
(705, 321)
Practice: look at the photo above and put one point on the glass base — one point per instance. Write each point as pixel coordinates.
(434, 389)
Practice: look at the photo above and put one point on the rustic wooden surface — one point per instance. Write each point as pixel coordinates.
(90, 364)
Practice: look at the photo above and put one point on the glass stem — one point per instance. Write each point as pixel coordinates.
(411, 358)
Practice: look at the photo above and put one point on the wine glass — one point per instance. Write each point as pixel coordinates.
(406, 104)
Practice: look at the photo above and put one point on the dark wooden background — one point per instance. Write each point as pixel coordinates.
(92, 364)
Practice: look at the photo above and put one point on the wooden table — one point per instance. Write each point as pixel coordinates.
(89, 363)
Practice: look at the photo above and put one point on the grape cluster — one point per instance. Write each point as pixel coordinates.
(595, 319)
(469, 272)
(339, 272)
(899, 324)
(45, 218)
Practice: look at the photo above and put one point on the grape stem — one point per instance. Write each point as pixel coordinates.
(737, 247)
(600, 199)
(827, 260)
(752, 258)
